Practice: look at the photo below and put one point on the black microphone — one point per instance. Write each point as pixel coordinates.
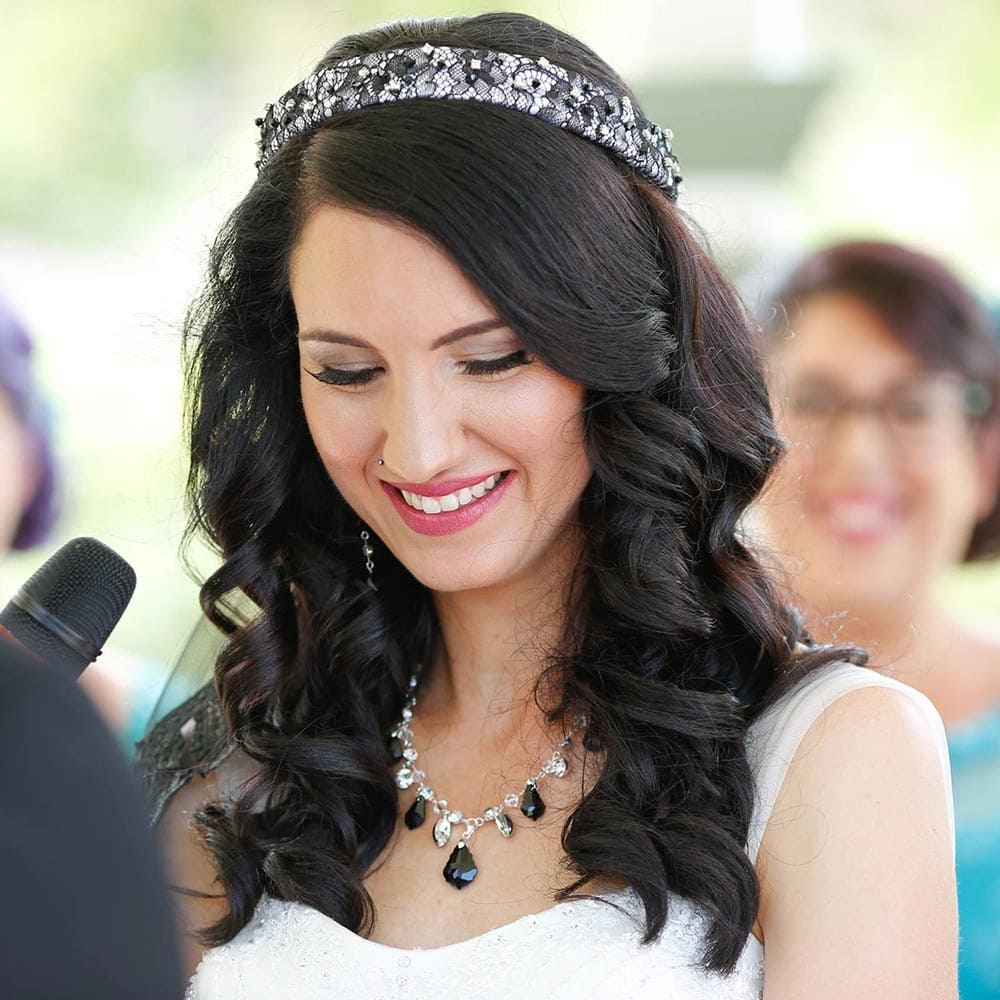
(66, 611)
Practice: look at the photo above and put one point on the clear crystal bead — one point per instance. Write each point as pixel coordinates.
(442, 831)
(504, 824)
(427, 793)
(404, 777)
(510, 800)
(490, 813)
(407, 714)
(454, 816)
(559, 765)
(410, 754)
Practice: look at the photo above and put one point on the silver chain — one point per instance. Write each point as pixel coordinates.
(367, 551)
(408, 775)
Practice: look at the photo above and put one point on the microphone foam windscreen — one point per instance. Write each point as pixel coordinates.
(86, 586)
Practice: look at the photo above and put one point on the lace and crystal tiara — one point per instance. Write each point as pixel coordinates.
(533, 87)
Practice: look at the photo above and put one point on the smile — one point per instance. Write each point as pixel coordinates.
(452, 501)
(435, 512)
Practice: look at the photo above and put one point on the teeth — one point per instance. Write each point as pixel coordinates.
(451, 501)
(859, 516)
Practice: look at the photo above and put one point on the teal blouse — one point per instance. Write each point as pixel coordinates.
(974, 746)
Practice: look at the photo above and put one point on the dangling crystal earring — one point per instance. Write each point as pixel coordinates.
(367, 551)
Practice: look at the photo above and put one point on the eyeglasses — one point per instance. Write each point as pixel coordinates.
(919, 416)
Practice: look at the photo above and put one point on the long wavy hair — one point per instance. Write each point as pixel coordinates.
(676, 640)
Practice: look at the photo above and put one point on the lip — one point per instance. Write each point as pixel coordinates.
(861, 518)
(444, 487)
(447, 522)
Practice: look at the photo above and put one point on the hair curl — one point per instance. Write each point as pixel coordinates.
(676, 640)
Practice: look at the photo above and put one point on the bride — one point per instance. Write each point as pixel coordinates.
(474, 420)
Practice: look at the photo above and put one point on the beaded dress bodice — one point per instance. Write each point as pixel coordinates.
(579, 948)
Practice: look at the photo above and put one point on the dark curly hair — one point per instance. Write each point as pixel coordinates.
(676, 639)
(927, 309)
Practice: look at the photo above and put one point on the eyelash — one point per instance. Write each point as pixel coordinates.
(480, 367)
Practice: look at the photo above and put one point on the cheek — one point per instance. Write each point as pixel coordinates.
(796, 471)
(946, 493)
(18, 482)
(542, 421)
(344, 433)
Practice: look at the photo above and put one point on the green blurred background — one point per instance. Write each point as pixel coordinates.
(128, 132)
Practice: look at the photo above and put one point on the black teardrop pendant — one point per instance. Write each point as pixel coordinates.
(417, 813)
(461, 868)
(396, 748)
(531, 803)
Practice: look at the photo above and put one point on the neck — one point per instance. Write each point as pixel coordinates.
(889, 632)
(495, 642)
(915, 640)
(948, 658)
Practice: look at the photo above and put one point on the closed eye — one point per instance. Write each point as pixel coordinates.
(493, 366)
(352, 377)
(344, 376)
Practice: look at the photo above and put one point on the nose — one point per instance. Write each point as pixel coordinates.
(423, 431)
(861, 443)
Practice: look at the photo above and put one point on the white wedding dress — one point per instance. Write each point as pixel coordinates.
(576, 949)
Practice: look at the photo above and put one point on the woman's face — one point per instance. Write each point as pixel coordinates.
(881, 486)
(402, 359)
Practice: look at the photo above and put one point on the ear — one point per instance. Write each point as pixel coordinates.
(988, 457)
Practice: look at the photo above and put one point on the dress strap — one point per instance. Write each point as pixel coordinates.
(775, 737)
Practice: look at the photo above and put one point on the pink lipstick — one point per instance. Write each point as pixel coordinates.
(447, 521)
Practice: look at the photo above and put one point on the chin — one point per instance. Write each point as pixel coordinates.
(453, 578)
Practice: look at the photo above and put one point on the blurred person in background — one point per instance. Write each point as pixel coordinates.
(84, 915)
(117, 684)
(27, 483)
(885, 378)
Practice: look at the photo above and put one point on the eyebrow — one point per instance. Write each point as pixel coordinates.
(460, 333)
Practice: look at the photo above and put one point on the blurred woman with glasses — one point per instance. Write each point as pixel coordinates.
(885, 378)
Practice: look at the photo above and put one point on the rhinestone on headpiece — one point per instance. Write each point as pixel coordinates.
(534, 87)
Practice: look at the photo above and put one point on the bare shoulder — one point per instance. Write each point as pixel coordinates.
(857, 859)
(873, 717)
(198, 896)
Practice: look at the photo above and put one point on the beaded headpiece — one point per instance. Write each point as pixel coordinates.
(534, 87)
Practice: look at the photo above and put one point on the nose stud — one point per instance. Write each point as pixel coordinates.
(381, 461)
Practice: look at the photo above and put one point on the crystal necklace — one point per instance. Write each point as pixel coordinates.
(461, 868)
